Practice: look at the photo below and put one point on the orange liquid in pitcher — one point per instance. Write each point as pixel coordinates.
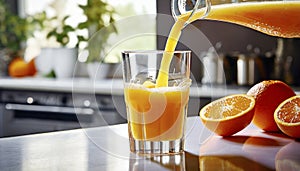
(280, 18)
(277, 18)
(156, 114)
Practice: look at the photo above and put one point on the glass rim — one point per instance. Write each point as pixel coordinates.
(154, 51)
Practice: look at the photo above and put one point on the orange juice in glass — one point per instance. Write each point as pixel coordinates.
(156, 115)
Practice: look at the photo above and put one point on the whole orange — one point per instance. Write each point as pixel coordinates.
(17, 68)
(268, 95)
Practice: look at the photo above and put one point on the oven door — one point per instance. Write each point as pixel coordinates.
(22, 119)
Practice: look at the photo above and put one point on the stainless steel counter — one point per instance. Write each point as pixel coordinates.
(106, 148)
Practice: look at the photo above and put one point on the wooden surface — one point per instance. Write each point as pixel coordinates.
(106, 148)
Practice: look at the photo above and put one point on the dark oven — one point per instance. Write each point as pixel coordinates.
(29, 112)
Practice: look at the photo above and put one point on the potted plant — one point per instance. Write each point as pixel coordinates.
(100, 18)
(57, 58)
(14, 31)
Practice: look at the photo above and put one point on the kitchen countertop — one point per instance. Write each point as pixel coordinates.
(78, 85)
(107, 148)
(105, 86)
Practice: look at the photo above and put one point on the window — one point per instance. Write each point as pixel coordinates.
(124, 8)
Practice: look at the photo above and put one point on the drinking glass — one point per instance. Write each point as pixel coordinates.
(156, 115)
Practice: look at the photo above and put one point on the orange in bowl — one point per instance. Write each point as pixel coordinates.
(228, 115)
(287, 116)
(268, 95)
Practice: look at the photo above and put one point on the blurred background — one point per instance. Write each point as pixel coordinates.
(60, 60)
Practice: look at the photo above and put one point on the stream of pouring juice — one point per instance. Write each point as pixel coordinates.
(280, 19)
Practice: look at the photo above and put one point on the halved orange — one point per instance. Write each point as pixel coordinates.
(228, 115)
(287, 116)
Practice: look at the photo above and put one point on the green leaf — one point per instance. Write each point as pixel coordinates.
(68, 28)
(51, 74)
(83, 25)
(51, 33)
(65, 18)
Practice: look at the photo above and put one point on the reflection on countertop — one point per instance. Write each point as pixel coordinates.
(107, 148)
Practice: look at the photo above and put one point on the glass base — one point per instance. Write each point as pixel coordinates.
(157, 147)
